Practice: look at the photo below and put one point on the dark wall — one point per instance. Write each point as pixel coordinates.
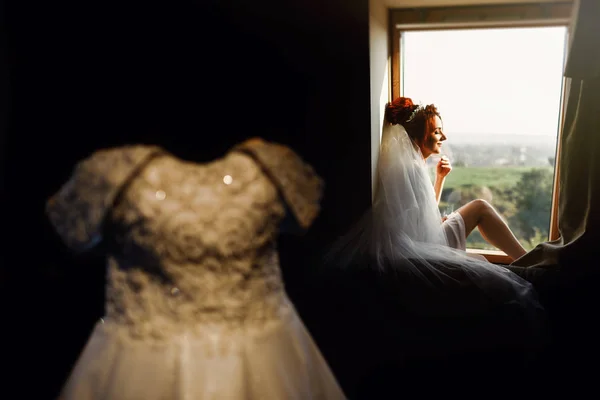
(197, 77)
(193, 76)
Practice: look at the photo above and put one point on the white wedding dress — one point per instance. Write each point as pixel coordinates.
(196, 308)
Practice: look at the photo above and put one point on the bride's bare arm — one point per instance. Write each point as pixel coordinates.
(438, 186)
(442, 169)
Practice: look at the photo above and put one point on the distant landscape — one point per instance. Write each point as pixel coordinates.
(514, 173)
(500, 150)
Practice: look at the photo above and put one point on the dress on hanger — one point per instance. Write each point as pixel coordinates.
(195, 303)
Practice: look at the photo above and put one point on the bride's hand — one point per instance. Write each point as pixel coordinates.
(443, 167)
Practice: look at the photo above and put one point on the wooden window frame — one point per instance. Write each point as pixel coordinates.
(544, 14)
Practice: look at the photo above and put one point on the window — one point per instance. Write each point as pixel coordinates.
(495, 74)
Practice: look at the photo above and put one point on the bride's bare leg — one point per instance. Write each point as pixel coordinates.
(479, 213)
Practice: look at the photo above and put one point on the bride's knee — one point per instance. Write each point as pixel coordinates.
(481, 206)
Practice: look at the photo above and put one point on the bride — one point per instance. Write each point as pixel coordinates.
(423, 125)
(405, 233)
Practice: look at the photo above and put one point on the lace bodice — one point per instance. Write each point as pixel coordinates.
(189, 244)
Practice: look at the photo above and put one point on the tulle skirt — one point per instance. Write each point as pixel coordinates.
(278, 360)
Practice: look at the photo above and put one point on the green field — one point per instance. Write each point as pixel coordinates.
(485, 176)
(522, 195)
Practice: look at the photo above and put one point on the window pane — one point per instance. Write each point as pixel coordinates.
(499, 94)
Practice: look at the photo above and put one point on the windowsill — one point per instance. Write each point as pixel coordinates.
(493, 256)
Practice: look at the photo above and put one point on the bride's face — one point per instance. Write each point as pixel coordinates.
(434, 136)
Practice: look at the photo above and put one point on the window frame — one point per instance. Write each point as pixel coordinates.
(542, 14)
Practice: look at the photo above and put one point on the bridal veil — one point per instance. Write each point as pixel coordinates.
(402, 234)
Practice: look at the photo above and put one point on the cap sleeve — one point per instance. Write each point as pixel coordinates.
(78, 210)
(300, 187)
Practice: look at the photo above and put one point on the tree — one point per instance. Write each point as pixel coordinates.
(533, 200)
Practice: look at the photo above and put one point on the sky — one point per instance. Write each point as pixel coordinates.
(496, 81)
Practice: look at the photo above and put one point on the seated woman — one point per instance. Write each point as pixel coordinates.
(404, 231)
(418, 299)
(424, 127)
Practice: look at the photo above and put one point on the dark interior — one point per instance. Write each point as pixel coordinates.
(197, 77)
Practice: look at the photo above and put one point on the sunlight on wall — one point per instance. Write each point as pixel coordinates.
(380, 80)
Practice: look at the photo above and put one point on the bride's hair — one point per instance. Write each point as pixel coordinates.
(414, 118)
